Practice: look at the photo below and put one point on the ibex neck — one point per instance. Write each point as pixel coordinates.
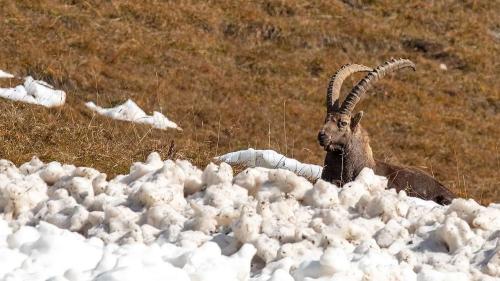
(342, 166)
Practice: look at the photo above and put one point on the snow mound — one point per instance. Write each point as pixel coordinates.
(271, 159)
(34, 92)
(130, 111)
(168, 220)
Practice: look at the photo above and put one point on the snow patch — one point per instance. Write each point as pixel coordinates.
(130, 111)
(4, 74)
(271, 159)
(34, 92)
(168, 220)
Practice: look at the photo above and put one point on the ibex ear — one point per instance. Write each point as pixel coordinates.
(355, 120)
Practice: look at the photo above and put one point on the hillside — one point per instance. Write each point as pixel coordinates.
(238, 74)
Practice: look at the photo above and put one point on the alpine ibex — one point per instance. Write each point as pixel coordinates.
(348, 145)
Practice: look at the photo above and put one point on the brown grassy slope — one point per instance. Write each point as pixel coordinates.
(238, 74)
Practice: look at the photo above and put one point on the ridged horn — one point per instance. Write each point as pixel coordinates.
(367, 82)
(335, 83)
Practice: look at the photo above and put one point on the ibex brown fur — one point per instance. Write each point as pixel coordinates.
(348, 145)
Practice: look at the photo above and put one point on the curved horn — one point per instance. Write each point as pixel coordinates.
(366, 83)
(335, 83)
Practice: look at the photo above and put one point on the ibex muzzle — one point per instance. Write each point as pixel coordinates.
(348, 145)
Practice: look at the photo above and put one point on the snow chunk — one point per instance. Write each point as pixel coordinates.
(271, 159)
(493, 262)
(215, 174)
(456, 233)
(35, 92)
(435, 275)
(4, 74)
(290, 183)
(323, 195)
(130, 111)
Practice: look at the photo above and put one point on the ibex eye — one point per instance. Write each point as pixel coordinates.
(343, 123)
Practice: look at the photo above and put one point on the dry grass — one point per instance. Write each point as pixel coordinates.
(237, 74)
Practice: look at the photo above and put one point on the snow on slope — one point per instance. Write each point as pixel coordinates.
(4, 74)
(33, 91)
(271, 159)
(130, 111)
(168, 220)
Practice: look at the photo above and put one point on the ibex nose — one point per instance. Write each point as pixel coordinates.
(322, 138)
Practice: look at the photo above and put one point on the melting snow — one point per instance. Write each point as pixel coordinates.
(34, 91)
(168, 220)
(271, 159)
(130, 111)
(4, 74)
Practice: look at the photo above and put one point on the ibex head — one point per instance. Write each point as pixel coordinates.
(340, 122)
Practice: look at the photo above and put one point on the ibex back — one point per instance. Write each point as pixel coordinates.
(348, 145)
